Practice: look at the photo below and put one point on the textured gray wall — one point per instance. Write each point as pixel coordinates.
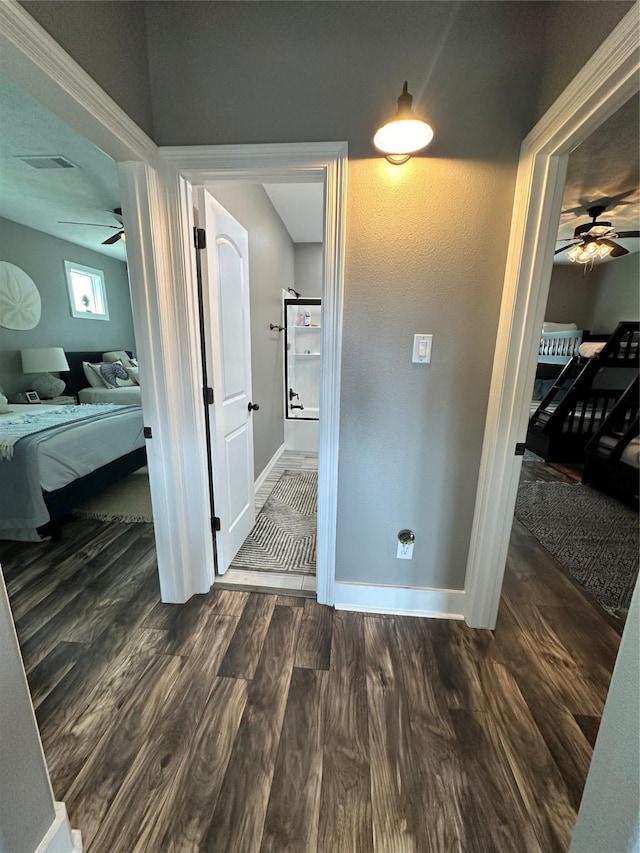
(109, 41)
(308, 268)
(570, 40)
(426, 243)
(572, 296)
(270, 270)
(41, 257)
(618, 295)
(608, 818)
(26, 804)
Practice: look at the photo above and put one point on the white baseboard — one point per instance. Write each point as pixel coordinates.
(269, 467)
(400, 601)
(60, 838)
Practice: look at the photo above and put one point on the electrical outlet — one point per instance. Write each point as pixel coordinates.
(405, 551)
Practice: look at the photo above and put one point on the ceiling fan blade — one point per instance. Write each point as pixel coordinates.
(623, 234)
(616, 250)
(114, 239)
(564, 248)
(91, 224)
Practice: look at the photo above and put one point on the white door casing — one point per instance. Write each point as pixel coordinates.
(225, 281)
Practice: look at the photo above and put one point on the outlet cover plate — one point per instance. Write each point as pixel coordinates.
(405, 552)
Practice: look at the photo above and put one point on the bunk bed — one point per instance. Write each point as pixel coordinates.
(612, 456)
(583, 396)
(559, 343)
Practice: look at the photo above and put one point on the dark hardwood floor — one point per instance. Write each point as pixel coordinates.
(245, 722)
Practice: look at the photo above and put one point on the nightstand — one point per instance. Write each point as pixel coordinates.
(61, 401)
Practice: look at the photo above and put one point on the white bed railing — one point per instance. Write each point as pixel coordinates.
(559, 347)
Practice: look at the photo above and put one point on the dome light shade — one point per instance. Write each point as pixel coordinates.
(405, 134)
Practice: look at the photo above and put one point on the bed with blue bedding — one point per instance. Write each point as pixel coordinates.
(52, 458)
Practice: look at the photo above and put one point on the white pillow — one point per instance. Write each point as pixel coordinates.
(118, 355)
(559, 327)
(114, 375)
(134, 373)
(4, 408)
(92, 375)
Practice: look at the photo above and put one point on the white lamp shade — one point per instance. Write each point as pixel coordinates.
(43, 360)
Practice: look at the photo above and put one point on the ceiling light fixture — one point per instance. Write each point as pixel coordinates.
(405, 134)
(588, 252)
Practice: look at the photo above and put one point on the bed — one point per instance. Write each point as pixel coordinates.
(66, 455)
(78, 386)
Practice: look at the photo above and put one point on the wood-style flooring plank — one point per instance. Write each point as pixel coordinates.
(398, 819)
(244, 650)
(491, 808)
(92, 793)
(183, 820)
(291, 600)
(52, 669)
(345, 799)
(459, 651)
(181, 624)
(228, 601)
(514, 733)
(294, 805)
(167, 746)
(314, 641)
(238, 820)
(589, 726)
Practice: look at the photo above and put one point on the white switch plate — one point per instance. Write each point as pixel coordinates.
(421, 349)
(405, 552)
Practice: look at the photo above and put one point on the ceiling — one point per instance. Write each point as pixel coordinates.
(40, 198)
(606, 169)
(301, 208)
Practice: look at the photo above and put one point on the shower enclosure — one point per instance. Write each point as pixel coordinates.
(302, 342)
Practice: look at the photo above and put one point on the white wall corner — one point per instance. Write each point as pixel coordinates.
(399, 600)
(268, 467)
(60, 838)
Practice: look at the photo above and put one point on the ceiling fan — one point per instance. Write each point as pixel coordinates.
(593, 240)
(114, 237)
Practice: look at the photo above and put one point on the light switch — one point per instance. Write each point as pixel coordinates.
(422, 349)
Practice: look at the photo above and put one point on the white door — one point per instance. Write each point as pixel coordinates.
(225, 280)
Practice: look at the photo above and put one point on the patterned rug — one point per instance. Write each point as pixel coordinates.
(595, 537)
(128, 501)
(284, 536)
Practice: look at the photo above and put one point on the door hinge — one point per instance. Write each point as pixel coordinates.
(208, 396)
(215, 524)
(147, 432)
(199, 238)
(520, 448)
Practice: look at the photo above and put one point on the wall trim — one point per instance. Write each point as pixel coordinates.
(60, 838)
(321, 161)
(400, 601)
(34, 60)
(608, 79)
(268, 467)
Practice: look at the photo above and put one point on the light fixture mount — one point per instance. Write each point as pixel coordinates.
(405, 134)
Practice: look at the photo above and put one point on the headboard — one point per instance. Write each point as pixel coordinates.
(75, 378)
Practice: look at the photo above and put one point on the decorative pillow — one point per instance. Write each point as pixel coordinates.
(134, 373)
(92, 375)
(4, 408)
(114, 375)
(118, 355)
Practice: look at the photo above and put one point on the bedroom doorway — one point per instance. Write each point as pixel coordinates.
(606, 82)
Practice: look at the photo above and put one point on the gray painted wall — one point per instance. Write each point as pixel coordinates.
(416, 260)
(270, 270)
(26, 803)
(109, 41)
(308, 268)
(572, 296)
(608, 818)
(618, 294)
(599, 300)
(41, 257)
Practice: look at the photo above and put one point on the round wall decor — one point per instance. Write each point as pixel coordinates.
(19, 298)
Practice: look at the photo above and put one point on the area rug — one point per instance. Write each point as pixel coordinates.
(284, 536)
(128, 501)
(595, 537)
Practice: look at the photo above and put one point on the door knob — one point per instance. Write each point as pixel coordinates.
(253, 407)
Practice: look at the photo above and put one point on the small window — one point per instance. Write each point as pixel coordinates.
(87, 292)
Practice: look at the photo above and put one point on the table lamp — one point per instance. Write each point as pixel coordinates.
(42, 361)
